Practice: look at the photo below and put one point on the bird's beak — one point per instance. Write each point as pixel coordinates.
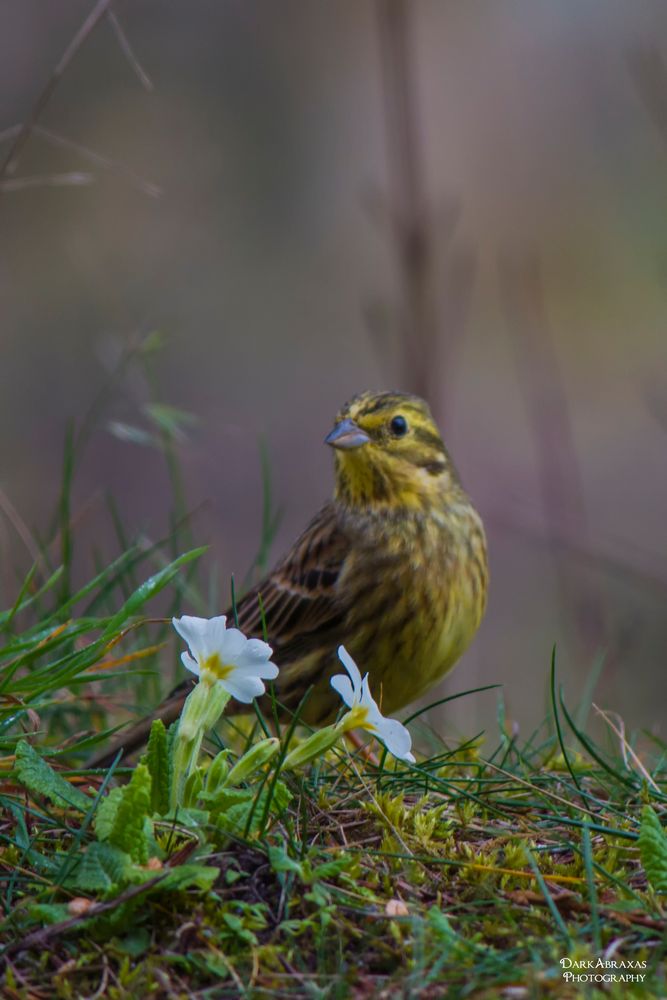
(347, 435)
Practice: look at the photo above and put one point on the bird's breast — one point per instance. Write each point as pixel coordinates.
(417, 592)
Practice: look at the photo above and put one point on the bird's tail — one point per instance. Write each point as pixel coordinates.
(137, 735)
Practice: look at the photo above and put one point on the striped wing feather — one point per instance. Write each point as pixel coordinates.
(299, 596)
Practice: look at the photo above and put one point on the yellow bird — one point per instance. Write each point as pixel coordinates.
(394, 567)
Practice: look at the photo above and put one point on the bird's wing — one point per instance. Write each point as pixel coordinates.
(299, 597)
(303, 617)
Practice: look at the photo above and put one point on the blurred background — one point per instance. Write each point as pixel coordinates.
(250, 211)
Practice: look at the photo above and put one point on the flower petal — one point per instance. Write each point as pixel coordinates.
(232, 644)
(248, 658)
(190, 664)
(194, 631)
(396, 738)
(214, 638)
(366, 698)
(256, 668)
(255, 655)
(267, 670)
(343, 685)
(258, 648)
(242, 687)
(351, 667)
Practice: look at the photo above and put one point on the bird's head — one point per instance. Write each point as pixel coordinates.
(389, 453)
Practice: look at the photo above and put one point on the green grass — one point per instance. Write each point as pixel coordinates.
(470, 874)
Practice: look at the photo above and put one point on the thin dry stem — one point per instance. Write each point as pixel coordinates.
(126, 49)
(23, 132)
(626, 749)
(11, 160)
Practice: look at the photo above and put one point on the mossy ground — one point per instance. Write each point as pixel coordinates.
(474, 873)
(462, 876)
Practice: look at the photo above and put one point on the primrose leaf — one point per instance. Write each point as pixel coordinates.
(121, 817)
(157, 758)
(190, 876)
(101, 868)
(241, 810)
(39, 778)
(653, 849)
(49, 913)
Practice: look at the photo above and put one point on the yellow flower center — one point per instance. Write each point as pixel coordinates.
(357, 718)
(213, 669)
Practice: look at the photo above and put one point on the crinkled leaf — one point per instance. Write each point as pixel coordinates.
(49, 913)
(241, 810)
(121, 817)
(158, 760)
(39, 778)
(192, 819)
(101, 868)
(192, 876)
(105, 817)
(653, 849)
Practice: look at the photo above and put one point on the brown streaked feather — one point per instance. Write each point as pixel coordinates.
(299, 595)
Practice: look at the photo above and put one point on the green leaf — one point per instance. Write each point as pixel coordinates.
(101, 868)
(121, 816)
(135, 943)
(107, 577)
(7, 616)
(330, 869)
(653, 849)
(49, 913)
(192, 787)
(39, 778)
(192, 876)
(147, 590)
(157, 759)
(106, 813)
(240, 810)
(280, 861)
(238, 928)
(192, 819)
(216, 774)
(107, 869)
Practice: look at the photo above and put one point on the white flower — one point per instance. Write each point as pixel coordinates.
(364, 712)
(224, 656)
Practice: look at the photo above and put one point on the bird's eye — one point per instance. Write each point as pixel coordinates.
(398, 426)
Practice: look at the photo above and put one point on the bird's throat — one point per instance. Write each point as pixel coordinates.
(365, 482)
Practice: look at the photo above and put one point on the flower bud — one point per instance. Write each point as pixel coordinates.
(193, 786)
(217, 771)
(251, 761)
(203, 707)
(313, 747)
